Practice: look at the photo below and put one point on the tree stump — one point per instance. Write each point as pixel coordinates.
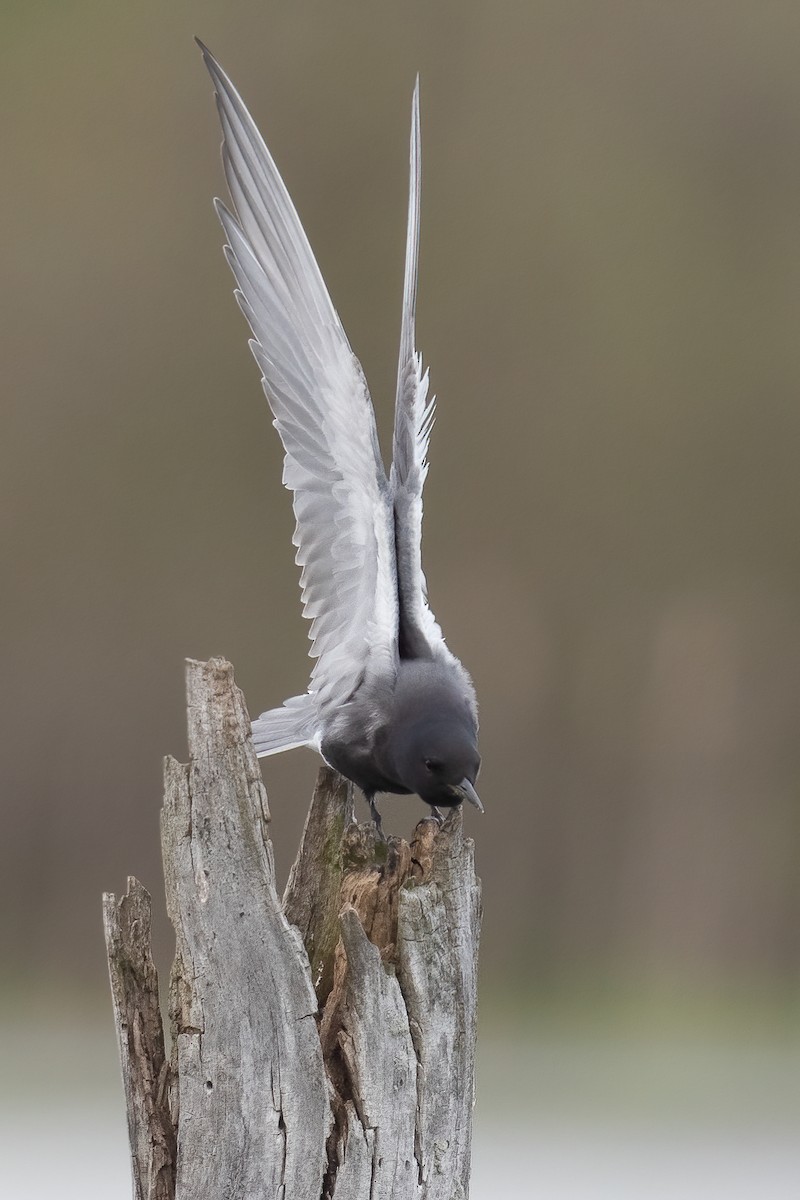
(322, 1045)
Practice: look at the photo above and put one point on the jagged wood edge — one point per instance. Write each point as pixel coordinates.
(311, 901)
(140, 1035)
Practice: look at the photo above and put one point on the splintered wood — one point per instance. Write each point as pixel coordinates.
(323, 1045)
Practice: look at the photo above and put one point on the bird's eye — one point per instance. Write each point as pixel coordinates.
(432, 765)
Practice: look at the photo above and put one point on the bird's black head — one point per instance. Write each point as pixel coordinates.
(439, 761)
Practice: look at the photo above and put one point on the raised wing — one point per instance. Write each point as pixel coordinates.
(420, 635)
(318, 395)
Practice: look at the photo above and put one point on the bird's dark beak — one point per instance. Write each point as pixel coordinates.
(469, 793)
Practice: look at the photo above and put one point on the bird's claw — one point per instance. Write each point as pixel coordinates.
(376, 820)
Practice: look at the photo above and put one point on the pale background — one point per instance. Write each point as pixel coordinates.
(610, 301)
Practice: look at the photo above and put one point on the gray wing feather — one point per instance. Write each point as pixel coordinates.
(319, 399)
(413, 422)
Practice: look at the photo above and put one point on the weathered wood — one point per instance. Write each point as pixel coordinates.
(323, 1047)
(134, 991)
(311, 900)
(438, 929)
(253, 1112)
(398, 1028)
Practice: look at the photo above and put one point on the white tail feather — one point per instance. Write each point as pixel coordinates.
(285, 728)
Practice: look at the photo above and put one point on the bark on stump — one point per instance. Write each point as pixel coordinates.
(322, 1046)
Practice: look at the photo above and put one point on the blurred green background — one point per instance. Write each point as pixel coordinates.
(609, 304)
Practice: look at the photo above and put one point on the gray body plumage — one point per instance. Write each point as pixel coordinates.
(388, 705)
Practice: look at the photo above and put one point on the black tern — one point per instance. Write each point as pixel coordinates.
(388, 704)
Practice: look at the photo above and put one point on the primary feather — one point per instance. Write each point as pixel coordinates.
(318, 395)
(413, 421)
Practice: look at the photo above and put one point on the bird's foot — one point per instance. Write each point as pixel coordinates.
(376, 818)
(437, 815)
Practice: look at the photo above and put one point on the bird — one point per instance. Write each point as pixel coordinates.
(388, 705)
